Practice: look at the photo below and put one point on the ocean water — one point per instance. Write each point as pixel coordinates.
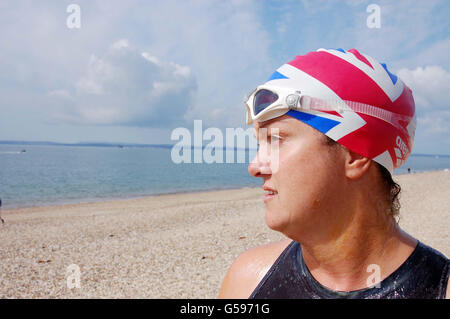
(46, 175)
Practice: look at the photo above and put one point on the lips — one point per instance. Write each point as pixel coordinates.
(270, 193)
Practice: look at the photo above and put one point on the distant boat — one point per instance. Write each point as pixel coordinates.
(120, 146)
(23, 151)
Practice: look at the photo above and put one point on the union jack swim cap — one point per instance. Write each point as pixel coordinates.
(336, 74)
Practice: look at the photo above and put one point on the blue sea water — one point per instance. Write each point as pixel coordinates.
(46, 175)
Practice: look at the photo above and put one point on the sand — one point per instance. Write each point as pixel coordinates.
(169, 246)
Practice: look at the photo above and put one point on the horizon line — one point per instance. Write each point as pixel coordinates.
(119, 144)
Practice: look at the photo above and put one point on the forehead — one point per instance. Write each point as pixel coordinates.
(287, 125)
(283, 122)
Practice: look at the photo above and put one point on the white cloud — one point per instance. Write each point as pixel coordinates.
(126, 87)
(98, 73)
(150, 58)
(430, 86)
(431, 91)
(436, 124)
(224, 45)
(121, 44)
(147, 64)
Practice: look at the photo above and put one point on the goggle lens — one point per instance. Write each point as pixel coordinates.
(263, 98)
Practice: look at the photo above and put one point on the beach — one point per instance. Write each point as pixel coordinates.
(168, 246)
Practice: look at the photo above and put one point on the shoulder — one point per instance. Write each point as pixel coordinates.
(249, 269)
(438, 264)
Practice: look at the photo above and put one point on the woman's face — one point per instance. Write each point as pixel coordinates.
(305, 174)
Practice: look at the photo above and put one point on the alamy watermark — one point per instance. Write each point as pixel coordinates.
(374, 19)
(73, 276)
(73, 21)
(232, 147)
(373, 281)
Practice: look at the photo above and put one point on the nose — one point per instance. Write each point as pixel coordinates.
(259, 167)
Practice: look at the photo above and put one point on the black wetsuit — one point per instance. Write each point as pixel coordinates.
(423, 275)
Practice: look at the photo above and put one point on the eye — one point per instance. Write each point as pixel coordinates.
(275, 138)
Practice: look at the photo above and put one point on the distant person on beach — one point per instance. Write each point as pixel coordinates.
(1, 212)
(332, 127)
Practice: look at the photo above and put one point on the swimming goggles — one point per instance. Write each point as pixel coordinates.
(268, 102)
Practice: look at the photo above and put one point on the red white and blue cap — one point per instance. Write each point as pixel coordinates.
(336, 74)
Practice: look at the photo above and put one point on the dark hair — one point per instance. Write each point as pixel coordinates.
(392, 191)
(391, 188)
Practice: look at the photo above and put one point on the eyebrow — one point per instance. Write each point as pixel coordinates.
(268, 122)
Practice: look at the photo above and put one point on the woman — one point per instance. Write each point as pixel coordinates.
(340, 123)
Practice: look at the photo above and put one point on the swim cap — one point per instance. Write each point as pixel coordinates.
(356, 80)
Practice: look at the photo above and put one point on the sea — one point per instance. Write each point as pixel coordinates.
(41, 175)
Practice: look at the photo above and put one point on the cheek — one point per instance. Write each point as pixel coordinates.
(303, 181)
(299, 170)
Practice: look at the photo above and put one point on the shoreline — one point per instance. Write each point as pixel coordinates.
(64, 202)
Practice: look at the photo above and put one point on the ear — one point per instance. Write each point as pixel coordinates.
(356, 165)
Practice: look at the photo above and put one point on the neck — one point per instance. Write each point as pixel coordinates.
(343, 258)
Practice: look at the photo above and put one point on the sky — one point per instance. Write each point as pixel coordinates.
(136, 70)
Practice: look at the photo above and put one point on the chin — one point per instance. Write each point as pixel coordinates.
(275, 220)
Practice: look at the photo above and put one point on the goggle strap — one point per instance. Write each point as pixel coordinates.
(341, 106)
